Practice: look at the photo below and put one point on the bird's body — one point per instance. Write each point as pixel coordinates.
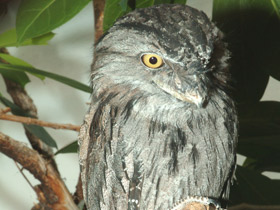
(154, 136)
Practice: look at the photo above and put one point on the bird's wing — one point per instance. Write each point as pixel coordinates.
(107, 183)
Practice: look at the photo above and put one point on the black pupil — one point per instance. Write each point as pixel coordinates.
(153, 60)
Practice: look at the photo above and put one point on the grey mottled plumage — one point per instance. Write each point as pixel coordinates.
(153, 137)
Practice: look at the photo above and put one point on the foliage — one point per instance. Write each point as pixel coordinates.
(252, 31)
(32, 29)
(35, 18)
(38, 131)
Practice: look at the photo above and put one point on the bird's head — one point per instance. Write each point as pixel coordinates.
(176, 54)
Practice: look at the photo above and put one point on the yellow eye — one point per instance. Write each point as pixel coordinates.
(152, 61)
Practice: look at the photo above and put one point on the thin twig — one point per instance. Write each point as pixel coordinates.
(33, 121)
(5, 110)
(26, 179)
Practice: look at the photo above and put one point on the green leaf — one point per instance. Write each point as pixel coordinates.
(260, 130)
(260, 119)
(9, 39)
(19, 77)
(144, 3)
(42, 134)
(59, 78)
(263, 152)
(265, 164)
(13, 60)
(70, 148)
(35, 18)
(36, 130)
(40, 40)
(276, 6)
(254, 188)
(123, 4)
(250, 164)
(112, 11)
(260, 135)
(180, 1)
(15, 109)
(252, 30)
(16, 61)
(260, 147)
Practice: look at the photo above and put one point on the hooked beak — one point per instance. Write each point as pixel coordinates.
(190, 96)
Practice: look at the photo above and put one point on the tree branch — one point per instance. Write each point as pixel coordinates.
(23, 100)
(52, 193)
(21, 172)
(33, 121)
(98, 6)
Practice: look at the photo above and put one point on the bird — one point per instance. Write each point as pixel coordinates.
(162, 127)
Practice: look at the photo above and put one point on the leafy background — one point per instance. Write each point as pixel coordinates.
(252, 31)
(69, 53)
